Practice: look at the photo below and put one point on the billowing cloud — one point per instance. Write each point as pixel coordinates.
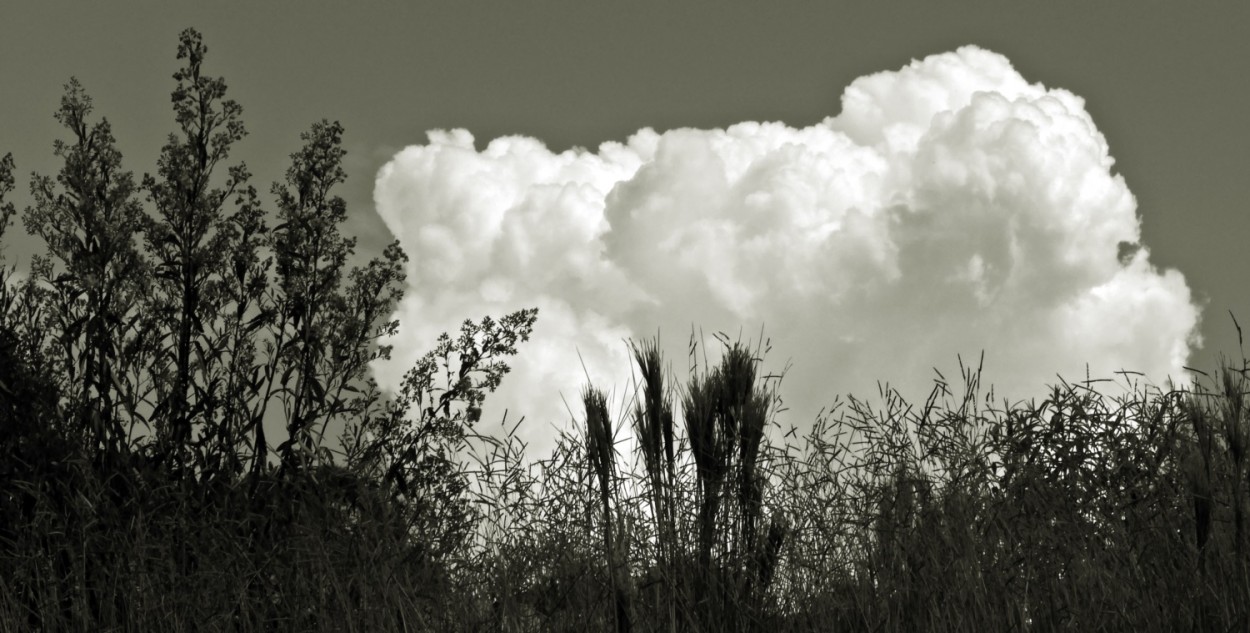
(951, 207)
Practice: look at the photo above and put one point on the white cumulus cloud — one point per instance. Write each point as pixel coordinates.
(951, 207)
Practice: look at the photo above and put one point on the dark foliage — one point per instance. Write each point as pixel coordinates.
(189, 436)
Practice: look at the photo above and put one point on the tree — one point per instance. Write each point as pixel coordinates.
(323, 329)
(193, 282)
(153, 343)
(89, 217)
(410, 445)
(27, 394)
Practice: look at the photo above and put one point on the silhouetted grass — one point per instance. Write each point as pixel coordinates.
(1077, 512)
(1080, 512)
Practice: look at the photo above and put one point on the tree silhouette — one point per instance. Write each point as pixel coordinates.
(152, 357)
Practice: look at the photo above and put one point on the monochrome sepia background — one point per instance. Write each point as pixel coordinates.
(877, 188)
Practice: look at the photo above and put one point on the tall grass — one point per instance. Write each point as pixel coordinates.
(1079, 512)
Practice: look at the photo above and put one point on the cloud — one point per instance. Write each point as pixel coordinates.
(951, 207)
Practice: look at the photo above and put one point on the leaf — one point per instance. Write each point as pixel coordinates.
(258, 321)
(256, 380)
(73, 330)
(286, 375)
(319, 392)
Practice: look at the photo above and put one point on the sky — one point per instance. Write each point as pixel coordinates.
(879, 186)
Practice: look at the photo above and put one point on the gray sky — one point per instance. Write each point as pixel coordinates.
(1165, 82)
